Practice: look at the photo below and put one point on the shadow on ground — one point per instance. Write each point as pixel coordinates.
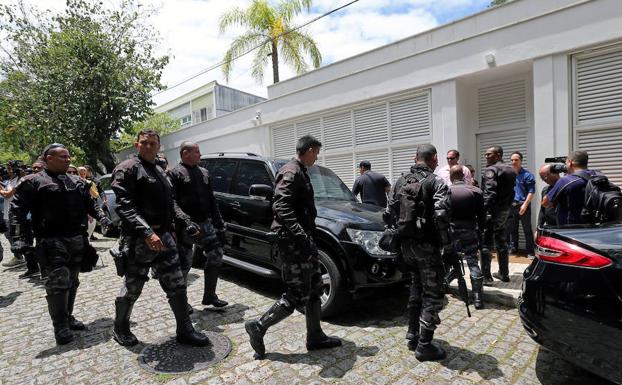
(7, 300)
(211, 318)
(347, 355)
(466, 361)
(97, 332)
(551, 369)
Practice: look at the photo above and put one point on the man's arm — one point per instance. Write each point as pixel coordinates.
(468, 178)
(21, 205)
(530, 186)
(124, 186)
(283, 205)
(214, 210)
(442, 214)
(489, 188)
(180, 216)
(356, 188)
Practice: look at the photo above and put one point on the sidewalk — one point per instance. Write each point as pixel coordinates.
(502, 293)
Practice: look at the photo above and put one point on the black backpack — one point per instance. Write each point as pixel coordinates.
(412, 208)
(603, 199)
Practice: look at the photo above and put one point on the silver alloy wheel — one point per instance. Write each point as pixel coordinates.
(326, 283)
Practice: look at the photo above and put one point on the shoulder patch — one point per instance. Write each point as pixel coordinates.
(289, 176)
(489, 174)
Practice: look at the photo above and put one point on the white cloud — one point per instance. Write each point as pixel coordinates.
(189, 32)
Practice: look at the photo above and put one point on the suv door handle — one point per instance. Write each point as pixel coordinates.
(235, 204)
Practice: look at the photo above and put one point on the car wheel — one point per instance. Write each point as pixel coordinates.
(334, 292)
(108, 230)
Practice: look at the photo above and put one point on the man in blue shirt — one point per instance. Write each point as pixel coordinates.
(372, 186)
(568, 194)
(524, 191)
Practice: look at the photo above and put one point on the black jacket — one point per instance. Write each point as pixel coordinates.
(467, 206)
(194, 196)
(294, 206)
(144, 197)
(498, 186)
(58, 204)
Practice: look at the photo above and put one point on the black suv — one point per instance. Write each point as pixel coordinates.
(347, 231)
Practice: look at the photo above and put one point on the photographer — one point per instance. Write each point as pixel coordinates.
(568, 194)
(7, 191)
(548, 215)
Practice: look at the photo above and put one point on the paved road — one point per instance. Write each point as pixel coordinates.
(489, 348)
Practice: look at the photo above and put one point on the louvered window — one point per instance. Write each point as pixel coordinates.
(370, 125)
(343, 166)
(309, 127)
(401, 161)
(283, 141)
(598, 87)
(338, 131)
(604, 148)
(503, 105)
(411, 118)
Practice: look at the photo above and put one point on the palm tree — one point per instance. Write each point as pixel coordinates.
(269, 28)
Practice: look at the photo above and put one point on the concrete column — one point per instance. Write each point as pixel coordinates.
(444, 118)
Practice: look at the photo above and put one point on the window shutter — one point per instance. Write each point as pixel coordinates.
(604, 148)
(370, 125)
(309, 127)
(338, 131)
(410, 118)
(343, 166)
(401, 161)
(283, 141)
(598, 87)
(379, 161)
(503, 105)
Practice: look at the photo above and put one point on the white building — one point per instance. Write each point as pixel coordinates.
(539, 76)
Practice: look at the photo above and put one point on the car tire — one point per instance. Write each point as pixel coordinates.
(109, 230)
(335, 294)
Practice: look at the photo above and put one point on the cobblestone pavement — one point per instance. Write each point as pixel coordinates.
(489, 348)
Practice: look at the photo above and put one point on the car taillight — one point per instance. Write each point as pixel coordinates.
(558, 251)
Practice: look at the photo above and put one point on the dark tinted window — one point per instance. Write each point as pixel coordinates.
(221, 173)
(250, 173)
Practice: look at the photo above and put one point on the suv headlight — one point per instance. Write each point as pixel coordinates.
(368, 240)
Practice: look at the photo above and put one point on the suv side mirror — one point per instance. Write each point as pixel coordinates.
(262, 191)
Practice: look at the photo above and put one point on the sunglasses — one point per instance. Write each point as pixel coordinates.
(72, 172)
(448, 158)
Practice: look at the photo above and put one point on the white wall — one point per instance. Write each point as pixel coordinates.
(444, 118)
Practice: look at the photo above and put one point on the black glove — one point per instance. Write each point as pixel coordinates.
(193, 230)
(20, 247)
(222, 236)
(105, 221)
(312, 248)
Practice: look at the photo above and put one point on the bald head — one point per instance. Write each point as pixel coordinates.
(547, 176)
(190, 153)
(456, 174)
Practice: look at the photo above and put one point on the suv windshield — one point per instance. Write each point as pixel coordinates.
(327, 185)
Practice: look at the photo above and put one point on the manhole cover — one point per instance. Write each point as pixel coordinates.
(174, 358)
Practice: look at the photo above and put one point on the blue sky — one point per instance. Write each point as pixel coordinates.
(189, 33)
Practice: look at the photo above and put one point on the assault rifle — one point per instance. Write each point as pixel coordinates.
(454, 265)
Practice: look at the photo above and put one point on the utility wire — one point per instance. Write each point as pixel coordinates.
(213, 67)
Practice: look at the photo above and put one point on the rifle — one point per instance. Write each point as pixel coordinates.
(455, 262)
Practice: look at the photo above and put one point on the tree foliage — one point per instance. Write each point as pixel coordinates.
(78, 77)
(161, 122)
(270, 29)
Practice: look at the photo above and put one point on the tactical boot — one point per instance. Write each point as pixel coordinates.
(256, 329)
(503, 274)
(14, 261)
(412, 335)
(478, 292)
(74, 324)
(32, 268)
(57, 306)
(186, 334)
(426, 349)
(316, 339)
(486, 260)
(209, 294)
(121, 332)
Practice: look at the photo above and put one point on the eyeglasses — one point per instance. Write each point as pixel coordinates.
(448, 158)
(72, 172)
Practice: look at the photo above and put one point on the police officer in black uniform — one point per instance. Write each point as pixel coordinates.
(421, 245)
(145, 204)
(59, 204)
(200, 221)
(294, 221)
(498, 187)
(467, 218)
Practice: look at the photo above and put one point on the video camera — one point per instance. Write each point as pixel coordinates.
(558, 164)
